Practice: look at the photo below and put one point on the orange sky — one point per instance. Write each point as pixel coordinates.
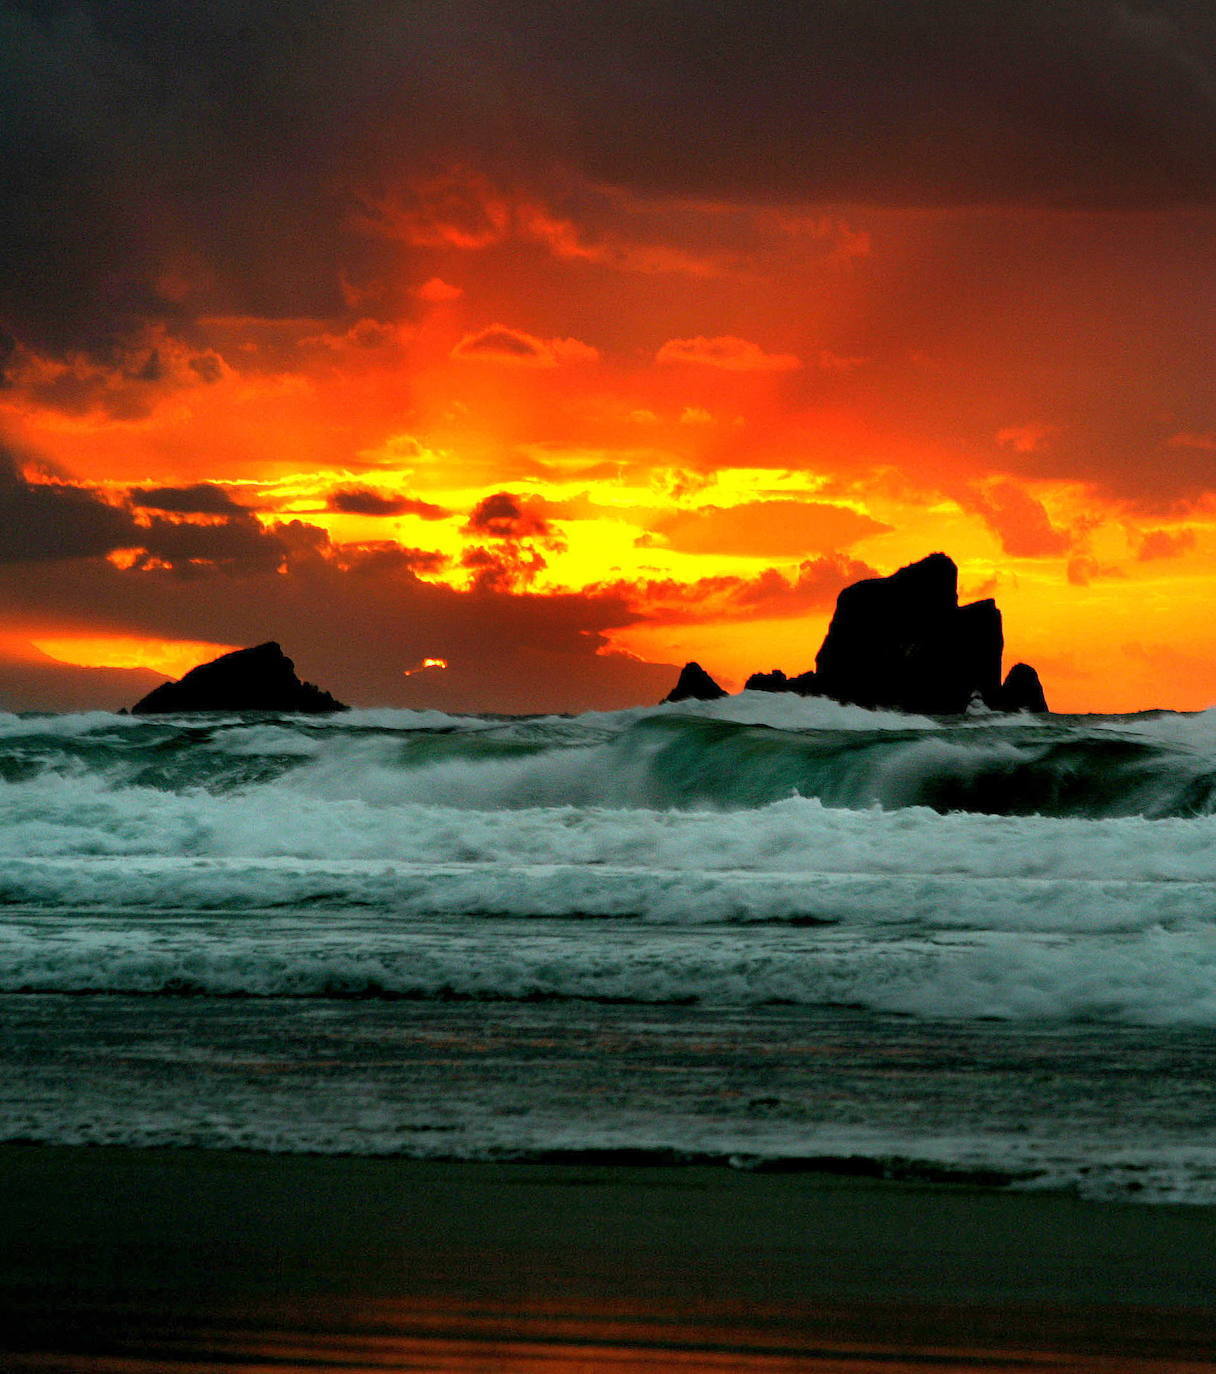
(563, 423)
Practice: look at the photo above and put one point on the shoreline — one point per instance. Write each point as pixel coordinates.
(166, 1259)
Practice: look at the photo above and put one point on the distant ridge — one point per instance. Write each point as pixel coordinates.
(261, 678)
(904, 643)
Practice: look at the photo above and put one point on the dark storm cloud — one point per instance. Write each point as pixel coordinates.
(233, 544)
(1079, 102)
(200, 499)
(359, 500)
(48, 522)
(44, 522)
(162, 159)
(509, 517)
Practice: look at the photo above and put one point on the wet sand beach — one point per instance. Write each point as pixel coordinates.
(186, 1260)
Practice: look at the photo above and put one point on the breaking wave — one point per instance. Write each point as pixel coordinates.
(755, 850)
(744, 752)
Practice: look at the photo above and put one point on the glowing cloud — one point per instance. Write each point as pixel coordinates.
(499, 344)
(173, 657)
(728, 352)
(767, 529)
(436, 291)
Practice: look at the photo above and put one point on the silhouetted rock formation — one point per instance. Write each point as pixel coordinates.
(259, 679)
(774, 681)
(804, 685)
(695, 684)
(1022, 691)
(903, 642)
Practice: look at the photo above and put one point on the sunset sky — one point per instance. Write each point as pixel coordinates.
(562, 342)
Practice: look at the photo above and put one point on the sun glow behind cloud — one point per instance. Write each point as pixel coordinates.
(174, 658)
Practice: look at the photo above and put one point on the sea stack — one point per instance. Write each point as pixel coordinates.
(694, 684)
(1022, 691)
(904, 643)
(262, 678)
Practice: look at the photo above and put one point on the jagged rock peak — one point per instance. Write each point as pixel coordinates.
(261, 678)
(694, 684)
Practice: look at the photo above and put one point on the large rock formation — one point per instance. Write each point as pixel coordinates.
(695, 684)
(904, 642)
(259, 679)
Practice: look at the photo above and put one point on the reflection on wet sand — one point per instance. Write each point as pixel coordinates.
(348, 1336)
(176, 1261)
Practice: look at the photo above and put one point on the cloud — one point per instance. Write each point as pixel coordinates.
(361, 500)
(499, 344)
(521, 532)
(160, 160)
(238, 542)
(375, 558)
(504, 516)
(458, 208)
(727, 352)
(1083, 569)
(566, 240)
(1024, 438)
(199, 499)
(766, 529)
(50, 522)
(47, 521)
(355, 631)
(463, 209)
(436, 291)
(31, 681)
(1164, 544)
(1205, 441)
(1018, 519)
(768, 595)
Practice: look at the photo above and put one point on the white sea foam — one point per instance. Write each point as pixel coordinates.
(413, 818)
(333, 810)
(1151, 977)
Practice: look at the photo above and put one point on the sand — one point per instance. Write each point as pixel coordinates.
(181, 1260)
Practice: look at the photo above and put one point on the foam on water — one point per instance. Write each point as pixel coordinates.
(761, 848)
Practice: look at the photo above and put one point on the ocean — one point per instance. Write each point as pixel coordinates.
(768, 932)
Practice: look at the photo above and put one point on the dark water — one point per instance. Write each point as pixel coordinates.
(768, 931)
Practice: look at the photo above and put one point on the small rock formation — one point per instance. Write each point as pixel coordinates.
(1022, 691)
(694, 684)
(772, 681)
(903, 642)
(262, 678)
(804, 684)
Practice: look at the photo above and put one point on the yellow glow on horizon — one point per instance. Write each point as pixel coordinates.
(173, 657)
